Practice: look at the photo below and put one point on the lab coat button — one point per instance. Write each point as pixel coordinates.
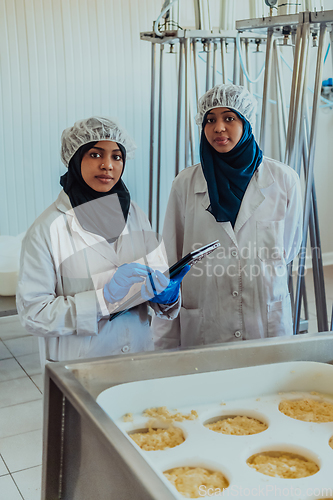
(238, 334)
(125, 348)
(234, 253)
(235, 293)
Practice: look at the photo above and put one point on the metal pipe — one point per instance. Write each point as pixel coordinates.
(192, 55)
(305, 299)
(236, 66)
(179, 104)
(214, 64)
(309, 180)
(292, 93)
(300, 89)
(186, 113)
(152, 124)
(317, 263)
(159, 144)
(241, 74)
(281, 91)
(224, 76)
(322, 318)
(297, 302)
(208, 45)
(331, 38)
(318, 271)
(278, 103)
(266, 87)
(195, 67)
(313, 242)
(202, 16)
(192, 142)
(299, 84)
(247, 59)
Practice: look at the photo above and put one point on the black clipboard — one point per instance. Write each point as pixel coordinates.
(190, 259)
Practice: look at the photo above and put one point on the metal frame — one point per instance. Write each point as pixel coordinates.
(300, 137)
(186, 41)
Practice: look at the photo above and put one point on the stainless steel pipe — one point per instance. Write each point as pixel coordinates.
(179, 104)
(208, 49)
(309, 180)
(159, 144)
(266, 86)
(152, 134)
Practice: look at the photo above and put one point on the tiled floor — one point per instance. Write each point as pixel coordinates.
(21, 402)
(20, 413)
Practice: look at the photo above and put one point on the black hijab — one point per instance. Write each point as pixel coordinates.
(228, 174)
(106, 213)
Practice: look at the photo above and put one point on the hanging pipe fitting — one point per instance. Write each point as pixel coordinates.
(286, 30)
(205, 45)
(314, 39)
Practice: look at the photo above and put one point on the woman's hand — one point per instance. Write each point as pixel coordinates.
(160, 289)
(123, 280)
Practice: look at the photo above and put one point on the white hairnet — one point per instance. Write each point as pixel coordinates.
(228, 96)
(90, 130)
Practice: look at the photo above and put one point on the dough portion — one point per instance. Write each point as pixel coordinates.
(284, 465)
(238, 426)
(158, 439)
(162, 413)
(187, 480)
(308, 410)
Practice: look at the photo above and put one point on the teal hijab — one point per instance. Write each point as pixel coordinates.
(228, 174)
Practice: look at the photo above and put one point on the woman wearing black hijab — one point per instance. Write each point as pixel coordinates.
(90, 251)
(252, 205)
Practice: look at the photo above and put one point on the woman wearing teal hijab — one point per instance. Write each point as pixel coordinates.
(252, 205)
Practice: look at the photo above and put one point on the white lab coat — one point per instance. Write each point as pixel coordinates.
(63, 270)
(239, 291)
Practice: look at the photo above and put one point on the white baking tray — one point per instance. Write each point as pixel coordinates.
(253, 392)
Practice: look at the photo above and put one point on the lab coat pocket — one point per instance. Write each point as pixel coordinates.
(191, 327)
(269, 236)
(279, 318)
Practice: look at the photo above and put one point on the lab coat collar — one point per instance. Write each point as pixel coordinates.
(98, 243)
(200, 186)
(263, 178)
(264, 175)
(253, 197)
(64, 205)
(63, 202)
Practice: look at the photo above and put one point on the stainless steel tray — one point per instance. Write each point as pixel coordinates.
(87, 456)
(255, 392)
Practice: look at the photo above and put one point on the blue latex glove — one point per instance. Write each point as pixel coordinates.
(160, 289)
(123, 279)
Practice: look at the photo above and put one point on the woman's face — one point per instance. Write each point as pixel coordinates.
(102, 165)
(223, 130)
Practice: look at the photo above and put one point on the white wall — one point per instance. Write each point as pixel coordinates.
(62, 60)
